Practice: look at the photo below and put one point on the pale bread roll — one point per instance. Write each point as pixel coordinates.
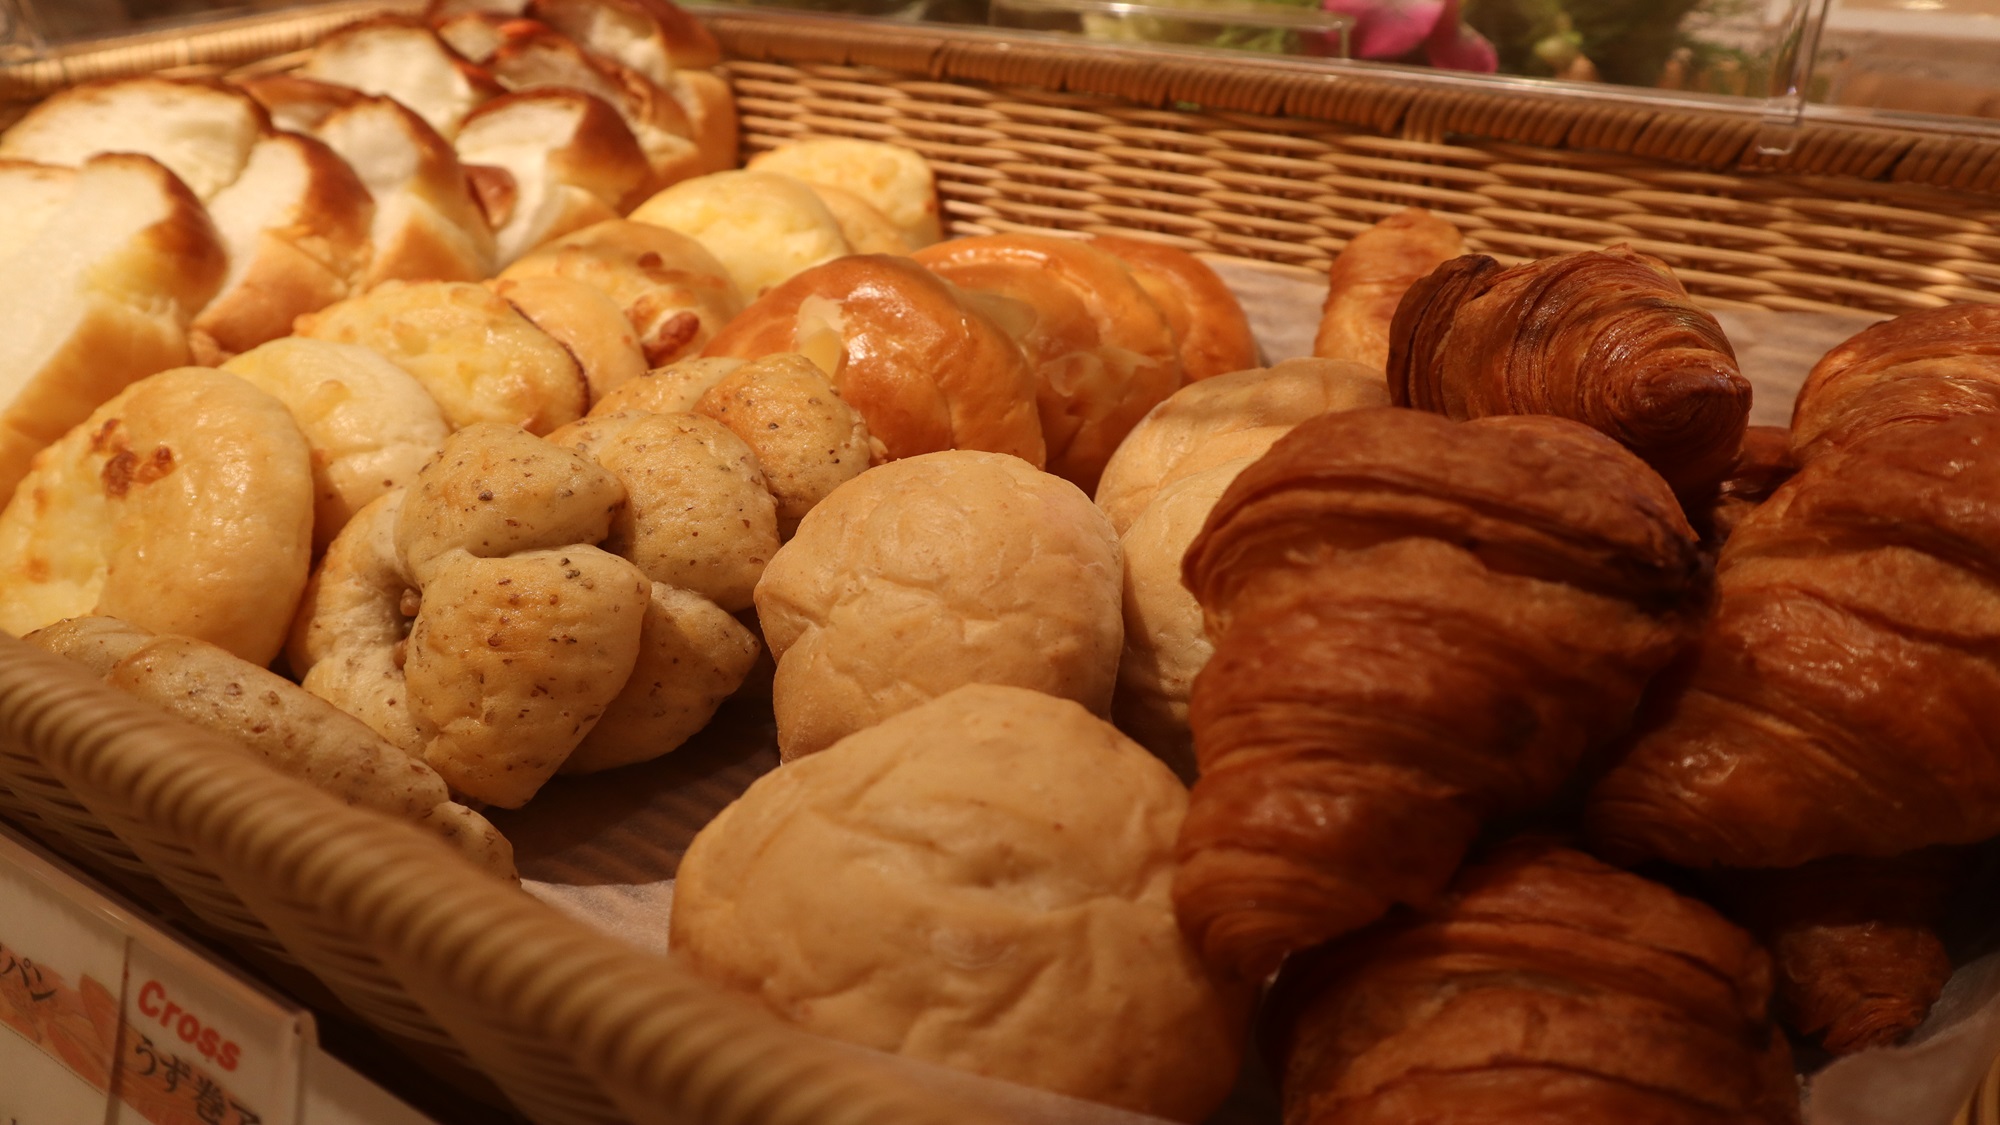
(1213, 330)
(353, 618)
(428, 225)
(981, 882)
(763, 228)
(1166, 643)
(866, 230)
(1221, 419)
(184, 505)
(34, 194)
(675, 293)
(400, 57)
(278, 723)
(698, 515)
(476, 355)
(894, 180)
(925, 368)
(121, 254)
(568, 159)
(370, 425)
(200, 129)
(932, 572)
(584, 320)
(297, 224)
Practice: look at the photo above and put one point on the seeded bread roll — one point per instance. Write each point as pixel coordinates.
(980, 882)
(933, 572)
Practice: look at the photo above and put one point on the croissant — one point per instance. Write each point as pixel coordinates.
(1418, 624)
(1845, 698)
(1607, 338)
(1371, 275)
(1764, 463)
(1854, 940)
(1920, 367)
(1546, 987)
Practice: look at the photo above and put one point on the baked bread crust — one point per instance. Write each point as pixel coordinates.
(1213, 330)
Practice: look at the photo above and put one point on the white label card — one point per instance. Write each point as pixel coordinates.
(62, 972)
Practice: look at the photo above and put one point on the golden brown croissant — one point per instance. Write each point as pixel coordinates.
(1607, 338)
(1764, 463)
(1418, 624)
(1845, 699)
(1920, 367)
(1371, 275)
(1546, 987)
(1859, 961)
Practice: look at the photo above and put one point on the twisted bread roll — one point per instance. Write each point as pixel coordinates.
(1545, 987)
(1920, 367)
(1368, 279)
(1213, 330)
(1846, 695)
(1418, 624)
(1607, 338)
(675, 293)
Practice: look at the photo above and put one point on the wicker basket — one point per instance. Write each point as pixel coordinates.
(1252, 158)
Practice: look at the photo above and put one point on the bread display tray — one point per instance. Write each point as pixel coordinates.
(1239, 157)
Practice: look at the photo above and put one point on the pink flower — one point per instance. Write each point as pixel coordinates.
(1390, 29)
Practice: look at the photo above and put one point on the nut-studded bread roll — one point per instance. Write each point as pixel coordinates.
(476, 355)
(121, 254)
(184, 505)
(1369, 277)
(427, 224)
(1209, 322)
(200, 129)
(1418, 625)
(400, 57)
(890, 178)
(277, 722)
(932, 572)
(763, 228)
(1223, 419)
(675, 293)
(297, 224)
(555, 161)
(369, 424)
(1103, 351)
(924, 367)
(979, 882)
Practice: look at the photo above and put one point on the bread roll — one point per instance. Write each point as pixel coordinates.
(675, 293)
(763, 228)
(1213, 330)
(980, 882)
(866, 230)
(200, 129)
(1369, 277)
(400, 57)
(479, 358)
(297, 225)
(1225, 418)
(568, 159)
(121, 254)
(808, 441)
(369, 424)
(932, 572)
(1102, 349)
(652, 37)
(346, 644)
(534, 56)
(583, 319)
(892, 179)
(183, 505)
(427, 224)
(925, 369)
(298, 105)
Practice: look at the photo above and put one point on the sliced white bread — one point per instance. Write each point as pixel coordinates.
(297, 225)
(617, 29)
(567, 157)
(476, 35)
(33, 193)
(298, 105)
(402, 58)
(427, 224)
(200, 129)
(118, 267)
(711, 110)
(536, 56)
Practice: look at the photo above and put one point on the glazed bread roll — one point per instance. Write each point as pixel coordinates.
(552, 161)
(932, 572)
(1208, 321)
(184, 505)
(400, 57)
(1103, 351)
(676, 295)
(1223, 419)
(763, 228)
(890, 178)
(925, 369)
(1369, 277)
(199, 129)
(583, 319)
(297, 225)
(368, 423)
(277, 722)
(121, 254)
(1165, 642)
(980, 882)
(476, 355)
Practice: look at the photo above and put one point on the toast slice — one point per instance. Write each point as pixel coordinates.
(428, 225)
(402, 58)
(568, 158)
(201, 130)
